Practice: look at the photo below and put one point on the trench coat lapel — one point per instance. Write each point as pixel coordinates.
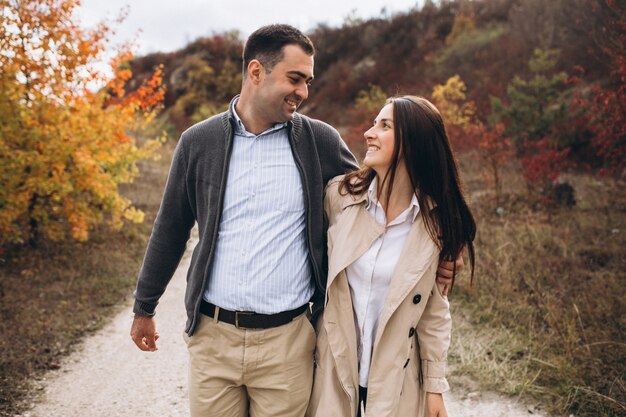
(358, 230)
(417, 255)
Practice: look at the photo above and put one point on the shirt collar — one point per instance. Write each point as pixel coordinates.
(372, 198)
(240, 129)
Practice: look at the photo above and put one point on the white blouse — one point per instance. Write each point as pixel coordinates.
(370, 275)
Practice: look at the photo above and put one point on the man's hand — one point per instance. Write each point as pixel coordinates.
(444, 272)
(435, 406)
(144, 334)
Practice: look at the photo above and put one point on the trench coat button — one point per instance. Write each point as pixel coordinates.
(411, 332)
(417, 299)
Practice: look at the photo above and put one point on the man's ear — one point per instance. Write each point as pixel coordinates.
(256, 71)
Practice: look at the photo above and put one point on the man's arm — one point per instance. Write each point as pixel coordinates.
(335, 157)
(165, 250)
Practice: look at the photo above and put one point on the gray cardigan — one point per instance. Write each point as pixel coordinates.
(194, 193)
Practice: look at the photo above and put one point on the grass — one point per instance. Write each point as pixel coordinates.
(53, 295)
(546, 316)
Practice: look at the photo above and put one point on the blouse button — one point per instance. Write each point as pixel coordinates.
(417, 299)
(411, 332)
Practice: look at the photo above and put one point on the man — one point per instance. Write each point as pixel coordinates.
(253, 179)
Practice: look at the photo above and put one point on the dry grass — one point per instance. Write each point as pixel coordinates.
(546, 317)
(56, 293)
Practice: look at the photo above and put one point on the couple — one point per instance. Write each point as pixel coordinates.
(286, 221)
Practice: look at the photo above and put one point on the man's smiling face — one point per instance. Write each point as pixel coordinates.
(286, 86)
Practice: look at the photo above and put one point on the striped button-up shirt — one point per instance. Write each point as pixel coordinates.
(261, 261)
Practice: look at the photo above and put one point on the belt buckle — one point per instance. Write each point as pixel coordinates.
(243, 313)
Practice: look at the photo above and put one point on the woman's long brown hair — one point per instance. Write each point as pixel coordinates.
(422, 144)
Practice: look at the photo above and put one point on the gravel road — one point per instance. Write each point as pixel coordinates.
(109, 377)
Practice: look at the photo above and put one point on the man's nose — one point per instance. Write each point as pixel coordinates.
(303, 92)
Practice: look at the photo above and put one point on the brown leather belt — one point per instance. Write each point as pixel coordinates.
(250, 319)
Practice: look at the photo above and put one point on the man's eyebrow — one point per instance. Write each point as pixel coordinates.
(300, 74)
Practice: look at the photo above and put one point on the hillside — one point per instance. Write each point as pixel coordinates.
(487, 43)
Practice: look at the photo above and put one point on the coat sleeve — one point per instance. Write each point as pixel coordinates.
(169, 237)
(433, 334)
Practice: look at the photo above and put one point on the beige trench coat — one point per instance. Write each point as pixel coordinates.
(413, 335)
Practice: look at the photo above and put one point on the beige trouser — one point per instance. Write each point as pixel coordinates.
(266, 371)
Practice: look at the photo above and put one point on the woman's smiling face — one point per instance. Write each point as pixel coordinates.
(380, 140)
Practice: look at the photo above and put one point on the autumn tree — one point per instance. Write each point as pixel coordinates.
(463, 26)
(495, 152)
(202, 90)
(535, 105)
(193, 81)
(459, 114)
(466, 131)
(65, 148)
(607, 107)
(605, 104)
(533, 117)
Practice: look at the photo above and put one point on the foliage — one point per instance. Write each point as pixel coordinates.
(202, 92)
(466, 131)
(459, 114)
(592, 33)
(537, 22)
(605, 106)
(449, 98)
(463, 49)
(63, 148)
(372, 100)
(608, 110)
(535, 105)
(201, 78)
(61, 292)
(495, 151)
(485, 57)
(534, 119)
(463, 26)
(542, 162)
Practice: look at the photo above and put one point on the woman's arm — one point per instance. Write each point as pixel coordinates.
(433, 334)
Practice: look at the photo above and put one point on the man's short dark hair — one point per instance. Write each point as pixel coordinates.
(266, 45)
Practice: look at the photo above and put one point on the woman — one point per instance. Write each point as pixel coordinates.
(385, 331)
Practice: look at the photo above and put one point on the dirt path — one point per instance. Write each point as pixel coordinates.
(109, 377)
